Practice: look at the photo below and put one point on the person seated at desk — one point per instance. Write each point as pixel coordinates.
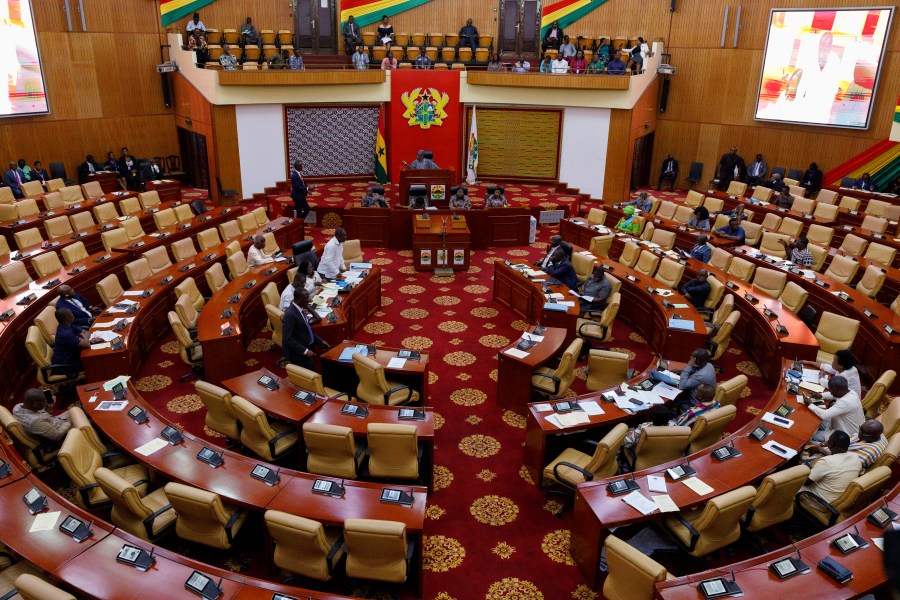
(831, 474)
(496, 199)
(14, 180)
(385, 32)
(351, 34)
(555, 242)
(39, 174)
(130, 177)
(256, 255)
(868, 444)
(629, 224)
(287, 296)
(332, 263)
(69, 342)
(701, 250)
(775, 183)
(736, 213)
(153, 172)
(248, 33)
(422, 61)
(388, 63)
(596, 287)
(460, 200)
(468, 36)
(697, 289)
(421, 162)
(561, 269)
(704, 401)
(32, 414)
(784, 199)
(553, 37)
(668, 171)
(313, 279)
(643, 202)
(700, 220)
(844, 410)
(733, 231)
(699, 371)
(812, 179)
(111, 163)
(298, 339)
(418, 203)
(82, 310)
(495, 64)
(87, 168)
(616, 66)
(865, 183)
(798, 252)
(757, 170)
(660, 416)
(370, 199)
(843, 364)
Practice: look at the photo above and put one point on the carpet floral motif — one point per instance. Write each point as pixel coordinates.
(442, 553)
(479, 446)
(494, 510)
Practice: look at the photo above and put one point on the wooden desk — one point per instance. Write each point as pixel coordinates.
(342, 375)
(514, 374)
(165, 237)
(168, 189)
(279, 403)
(438, 241)
(437, 184)
(885, 239)
(108, 180)
(891, 288)
(363, 300)
(17, 467)
(863, 195)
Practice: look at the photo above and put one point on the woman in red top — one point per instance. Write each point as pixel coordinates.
(579, 64)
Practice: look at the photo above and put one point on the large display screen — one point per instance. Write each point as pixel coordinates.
(20, 62)
(821, 66)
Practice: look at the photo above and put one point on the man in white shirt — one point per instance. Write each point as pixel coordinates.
(555, 241)
(257, 255)
(845, 412)
(287, 296)
(332, 263)
(831, 474)
(196, 23)
(560, 66)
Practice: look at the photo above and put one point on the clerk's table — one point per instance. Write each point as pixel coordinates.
(441, 241)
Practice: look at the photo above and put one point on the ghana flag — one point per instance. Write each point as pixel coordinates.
(173, 10)
(566, 12)
(380, 152)
(366, 12)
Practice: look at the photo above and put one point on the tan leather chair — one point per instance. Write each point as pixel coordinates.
(870, 283)
(186, 312)
(55, 184)
(890, 454)
(375, 388)
(596, 216)
(762, 193)
(890, 418)
(46, 264)
(834, 333)
(229, 230)
(81, 220)
(774, 501)
(105, 212)
(52, 201)
(303, 546)
(331, 450)
(110, 289)
(352, 252)
(58, 227)
(219, 415)
(877, 208)
(875, 224)
(827, 197)
(802, 205)
(188, 287)
(47, 324)
(718, 343)
(827, 212)
(853, 245)
(32, 188)
(753, 233)
(861, 492)
(599, 327)
(666, 210)
(669, 273)
(630, 254)
(149, 199)
(71, 194)
(606, 369)
(27, 238)
(770, 244)
(38, 452)
(148, 516)
(35, 588)
(91, 190)
(574, 466)
(770, 281)
(191, 352)
(4, 248)
(203, 517)
(632, 575)
(871, 402)
(246, 223)
(133, 228)
(80, 460)
(658, 445)
(683, 214)
(393, 451)
(895, 305)
(554, 383)
(842, 268)
(647, 263)
(113, 238)
(729, 392)
(771, 222)
(269, 440)
(717, 317)
(183, 213)
(233, 247)
(112, 457)
(793, 297)
(664, 239)
(14, 277)
(130, 206)
(377, 550)
(736, 188)
(819, 234)
(276, 321)
(215, 278)
(270, 294)
(881, 254)
(709, 427)
(716, 292)
(742, 269)
(208, 238)
(311, 381)
(715, 525)
(583, 265)
(27, 208)
(237, 265)
(137, 271)
(158, 259)
(720, 259)
(262, 217)
(647, 232)
(164, 218)
(694, 199)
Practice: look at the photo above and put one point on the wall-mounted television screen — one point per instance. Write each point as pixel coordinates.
(821, 66)
(24, 92)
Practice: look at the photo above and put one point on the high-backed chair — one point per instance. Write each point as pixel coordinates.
(890, 417)
(736, 188)
(601, 244)
(393, 451)
(875, 224)
(714, 205)
(709, 427)
(106, 212)
(606, 369)
(247, 222)
(31, 188)
(861, 492)
(215, 278)
(770, 244)
(208, 238)
(164, 218)
(871, 402)
(219, 415)
(303, 546)
(80, 460)
(596, 216)
(91, 190)
(647, 263)
(715, 525)
(148, 516)
(157, 259)
(597, 461)
(648, 232)
(187, 314)
(58, 227)
(38, 452)
(188, 287)
(631, 575)
(834, 333)
(331, 450)
(110, 289)
(46, 264)
(658, 445)
(819, 234)
(716, 292)
(720, 259)
(820, 255)
(762, 193)
(276, 319)
(881, 254)
(191, 352)
(27, 238)
(377, 550)
(890, 454)
(55, 184)
(183, 213)
(137, 271)
(71, 194)
(771, 222)
(842, 268)
(666, 210)
(694, 199)
(552, 382)
(827, 197)
(802, 205)
(827, 212)
(583, 265)
(27, 208)
(47, 324)
(630, 254)
(729, 392)
(598, 327)
(229, 230)
(203, 517)
(261, 216)
(133, 228)
(269, 440)
(149, 199)
(81, 220)
(793, 297)
(30, 587)
(237, 265)
(853, 245)
(715, 319)
(753, 233)
(742, 269)
(233, 247)
(770, 281)
(774, 501)
(352, 252)
(113, 238)
(311, 381)
(375, 388)
(111, 456)
(42, 355)
(669, 273)
(870, 283)
(4, 248)
(718, 342)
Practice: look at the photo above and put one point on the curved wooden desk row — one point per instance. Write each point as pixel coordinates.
(754, 575)
(150, 320)
(292, 494)
(90, 567)
(163, 237)
(393, 227)
(342, 376)
(597, 511)
(891, 288)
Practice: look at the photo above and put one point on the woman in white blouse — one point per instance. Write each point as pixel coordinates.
(313, 279)
(844, 364)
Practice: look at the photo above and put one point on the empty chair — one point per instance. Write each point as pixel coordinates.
(203, 517)
(669, 272)
(742, 269)
(311, 381)
(630, 254)
(28, 237)
(874, 224)
(714, 205)
(598, 461)
(229, 230)
(80, 460)
(46, 264)
(871, 402)
(793, 297)
(133, 228)
(881, 254)
(375, 388)
(715, 525)
(81, 220)
(658, 445)
(91, 190)
(4, 248)
(771, 222)
(58, 227)
(716, 291)
(753, 233)
(42, 355)
(219, 415)
(606, 369)
(870, 283)
(583, 265)
(110, 289)
(598, 327)
(158, 259)
(720, 259)
(183, 213)
(31, 188)
(842, 268)
(303, 546)
(552, 382)
(14, 277)
(694, 199)
(261, 216)
(695, 174)
(237, 265)
(38, 452)
(770, 244)
(648, 231)
(71, 194)
(352, 252)
(828, 212)
(861, 492)
(761, 193)
(631, 575)
(183, 249)
(728, 392)
(164, 218)
(827, 197)
(393, 451)
(208, 238)
(130, 206)
(853, 244)
(802, 205)
(269, 440)
(774, 501)
(30, 587)
(601, 244)
(137, 271)
(666, 209)
(377, 550)
(770, 281)
(215, 278)
(81, 422)
(27, 207)
(149, 199)
(877, 208)
(736, 188)
(56, 183)
(647, 263)
(148, 516)
(188, 287)
(331, 450)
(191, 352)
(716, 318)
(106, 212)
(232, 247)
(718, 342)
(186, 312)
(665, 239)
(834, 333)
(74, 253)
(596, 216)
(819, 234)
(790, 227)
(709, 427)
(276, 321)
(683, 214)
(247, 222)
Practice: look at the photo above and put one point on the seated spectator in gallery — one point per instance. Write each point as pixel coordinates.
(385, 32)
(371, 198)
(460, 200)
(360, 58)
(560, 66)
(553, 38)
(296, 61)
(596, 66)
(388, 63)
(195, 23)
(351, 33)
(561, 269)
(812, 179)
(197, 43)
(521, 65)
(496, 199)
(629, 223)
(495, 64)
(422, 61)
(249, 34)
(39, 174)
(228, 60)
(733, 231)
(579, 64)
(784, 199)
(24, 170)
(774, 183)
(700, 219)
(280, 60)
(567, 49)
(616, 66)
(604, 51)
(546, 64)
(468, 36)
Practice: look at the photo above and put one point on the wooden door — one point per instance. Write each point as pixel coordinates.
(315, 26)
(520, 27)
(194, 158)
(640, 167)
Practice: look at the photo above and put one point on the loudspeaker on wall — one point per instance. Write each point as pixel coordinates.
(664, 96)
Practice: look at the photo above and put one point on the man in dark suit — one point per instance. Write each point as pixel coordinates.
(87, 168)
(298, 339)
(351, 35)
(152, 171)
(81, 309)
(669, 171)
(14, 180)
(812, 179)
(130, 177)
(865, 183)
(731, 167)
(299, 191)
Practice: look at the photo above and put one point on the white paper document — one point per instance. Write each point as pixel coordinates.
(132, 293)
(777, 421)
(679, 306)
(45, 521)
(151, 447)
(699, 487)
(396, 363)
(665, 390)
(543, 407)
(573, 419)
(109, 385)
(811, 375)
(665, 503)
(554, 420)
(591, 408)
(640, 502)
(779, 450)
(113, 405)
(106, 336)
(655, 483)
(515, 353)
(532, 338)
(102, 346)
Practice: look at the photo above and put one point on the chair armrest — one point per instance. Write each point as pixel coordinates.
(334, 549)
(711, 346)
(391, 392)
(592, 313)
(38, 451)
(9, 594)
(748, 517)
(410, 550)
(106, 456)
(556, 380)
(604, 328)
(141, 482)
(148, 522)
(190, 352)
(833, 513)
(47, 372)
(695, 535)
(340, 395)
(588, 476)
(275, 439)
(230, 524)
(83, 490)
(705, 311)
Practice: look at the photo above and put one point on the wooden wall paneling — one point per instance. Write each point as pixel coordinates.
(228, 164)
(618, 160)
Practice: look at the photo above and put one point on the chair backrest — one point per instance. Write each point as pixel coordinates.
(110, 289)
(247, 222)
(137, 271)
(28, 237)
(215, 278)
(683, 214)
(219, 415)
(669, 272)
(372, 382)
(46, 264)
(276, 319)
(306, 379)
(720, 259)
(890, 454)
(183, 213)
(836, 332)
(658, 445)
(188, 287)
(393, 451)
(774, 501)
(232, 247)
(596, 216)
(890, 417)
(129, 511)
(871, 281)
(827, 197)
(771, 222)
(376, 549)
(133, 228)
(694, 199)
(736, 188)
(270, 294)
(47, 324)
(862, 491)
(79, 459)
(793, 297)
(186, 312)
(723, 311)
(58, 227)
(603, 462)
(770, 244)
(164, 218)
(583, 265)
(713, 205)
(300, 544)
(330, 449)
(81, 220)
(229, 230)
(819, 234)
(71, 194)
(762, 193)
(753, 233)
(716, 291)
(719, 523)
(881, 254)
(802, 205)
(842, 268)
(256, 431)
(666, 209)
(630, 254)
(352, 251)
(871, 402)
(600, 245)
(770, 281)
(55, 184)
(665, 239)
(183, 249)
(91, 189)
(742, 269)
(149, 199)
(565, 371)
(790, 227)
(34, 588)
(14, 428)
(828, 212)
(262, 217)
(728, 392)
(648, 231)
(106, 212)
(632, 575)
(820, 255)
(201, 515)
(853, 244)
(81, 422)
(606, 368)
(157, 258)
(27, 208)
(709, 427)
(647, 263)
(208, 238)
(237, 265)
(14, 277)
(873, 223)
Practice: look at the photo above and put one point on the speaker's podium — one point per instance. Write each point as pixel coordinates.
(437, 184)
